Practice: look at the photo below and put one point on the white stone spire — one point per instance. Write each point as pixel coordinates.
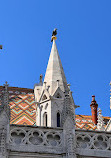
(50, 95)
(55, 72)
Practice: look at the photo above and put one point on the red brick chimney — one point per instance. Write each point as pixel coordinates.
(94, 107)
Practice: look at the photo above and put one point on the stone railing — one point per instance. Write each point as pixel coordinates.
(51, 140)
(89, 143)
(35, 139)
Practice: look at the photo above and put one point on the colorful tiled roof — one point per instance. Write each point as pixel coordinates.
(21, 102)
(85, 122)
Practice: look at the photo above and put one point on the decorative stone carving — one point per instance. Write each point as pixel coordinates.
(100, 142)
(100, 124)
(83, 141)
(69, 131)
(68, 123)
(53, 139)
(97, 141)
(68, 110)
(3, 144)
(18, 136)
(35, 137)
(5, 100)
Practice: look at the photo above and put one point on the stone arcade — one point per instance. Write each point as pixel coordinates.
(54, 134)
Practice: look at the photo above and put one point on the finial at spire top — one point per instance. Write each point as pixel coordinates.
(54, 33)
(99, 111)
(93, 97)
(41, 77)
(6, 85)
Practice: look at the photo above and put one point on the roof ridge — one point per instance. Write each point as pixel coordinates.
(18, 88)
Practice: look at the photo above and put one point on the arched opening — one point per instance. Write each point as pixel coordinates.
(58, 119)
(46, 106)
(58, 95)
(45, 119)
(44, 97)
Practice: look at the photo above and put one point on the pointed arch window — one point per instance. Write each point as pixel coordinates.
(46, 106)
(58, 95)
(58, 119)
(45, 119)
(44, 97)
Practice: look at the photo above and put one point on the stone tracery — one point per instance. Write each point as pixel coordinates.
(35, 137)
(87, 140)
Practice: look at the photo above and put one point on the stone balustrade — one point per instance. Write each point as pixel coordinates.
(89, 143)
(35, 139)
(51, 140)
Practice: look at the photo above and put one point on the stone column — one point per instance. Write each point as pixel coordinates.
(70, 145)
(4, 145)
(68, 122)
(4, 123)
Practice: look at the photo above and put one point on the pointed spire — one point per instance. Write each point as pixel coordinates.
(100, 124)
(55, 71)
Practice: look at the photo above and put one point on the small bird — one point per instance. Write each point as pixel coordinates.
(0, 46)
(54, 33)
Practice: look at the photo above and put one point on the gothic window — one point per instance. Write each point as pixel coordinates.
(58, 119)
(41, 107)
(45, 119)
(58, 95)
(44, 97)
(46, 106)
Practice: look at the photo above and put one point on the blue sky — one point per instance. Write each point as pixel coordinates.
(84, 45)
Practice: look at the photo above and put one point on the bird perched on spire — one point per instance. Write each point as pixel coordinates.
(0, 46)
(54, 33)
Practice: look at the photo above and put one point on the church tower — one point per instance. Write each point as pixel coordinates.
(50, 95)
